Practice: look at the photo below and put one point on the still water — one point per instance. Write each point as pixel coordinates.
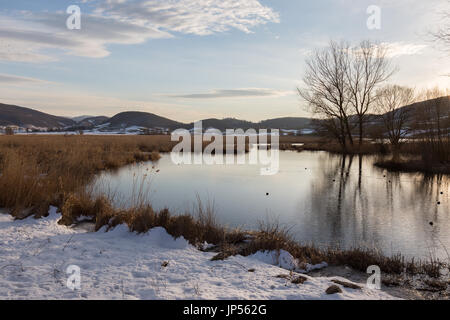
(324, 199)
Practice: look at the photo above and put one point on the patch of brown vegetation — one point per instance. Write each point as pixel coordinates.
(436, 284)
(346, 284)
(271, 236)
(39, 171)
(197, 228)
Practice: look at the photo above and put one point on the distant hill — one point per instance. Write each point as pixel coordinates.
(88, 123)
(142, 119)
(290, 123)
(415, 110)
(93, 121)
(132, 121)
(423, 107)
(25, 117)
(227, 123)
(81, 118)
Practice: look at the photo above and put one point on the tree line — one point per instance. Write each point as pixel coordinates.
(344, 86)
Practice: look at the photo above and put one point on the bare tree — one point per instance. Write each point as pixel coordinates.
(442, 35)
(367, 68)
(392, 103)
(326, 90)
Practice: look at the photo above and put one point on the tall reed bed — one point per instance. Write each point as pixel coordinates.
(38, 171)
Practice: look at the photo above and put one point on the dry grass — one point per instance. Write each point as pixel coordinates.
(38, 171)
(423, 156)
(41, 170)
(420, 155)
(198, 227)
(271, 236)
(316, 143)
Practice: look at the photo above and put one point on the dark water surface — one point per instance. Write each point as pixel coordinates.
(325, 199)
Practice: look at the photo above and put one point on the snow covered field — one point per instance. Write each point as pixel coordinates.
(34, 256)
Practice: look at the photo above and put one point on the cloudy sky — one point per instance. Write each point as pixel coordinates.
(192, 59)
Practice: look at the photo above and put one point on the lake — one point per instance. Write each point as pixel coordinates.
(323, 198)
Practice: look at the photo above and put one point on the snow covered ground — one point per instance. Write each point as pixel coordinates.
(35, 254)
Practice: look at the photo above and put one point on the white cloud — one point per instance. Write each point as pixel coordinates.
(13, 79)
(235, 93)
(27, 35)
(397, 49)
(200, 17)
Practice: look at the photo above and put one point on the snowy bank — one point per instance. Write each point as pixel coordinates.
(118, 264)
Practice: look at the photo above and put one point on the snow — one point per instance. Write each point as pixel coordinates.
(118, 264)
(281, 258)
(285, 260)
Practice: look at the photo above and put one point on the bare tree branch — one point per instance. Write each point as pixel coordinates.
(442, 34)
(367, 68)
(326, 90)
(393, 103)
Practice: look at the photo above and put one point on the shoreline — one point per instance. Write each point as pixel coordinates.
(168, 268)
(413, 166)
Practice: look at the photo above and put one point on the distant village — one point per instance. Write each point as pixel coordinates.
(137, 130)
(13, 129)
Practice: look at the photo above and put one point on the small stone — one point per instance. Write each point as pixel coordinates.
(251, 270)
(431, 223)
(165, 264)
(333, 289)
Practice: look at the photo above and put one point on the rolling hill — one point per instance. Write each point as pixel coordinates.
(142, 119)
(227, 123)
(290, 123)
(25, 117)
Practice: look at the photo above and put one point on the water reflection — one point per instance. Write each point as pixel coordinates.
(354, 203)
(326, 199)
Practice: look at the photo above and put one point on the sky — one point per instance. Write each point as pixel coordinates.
(195, 59)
